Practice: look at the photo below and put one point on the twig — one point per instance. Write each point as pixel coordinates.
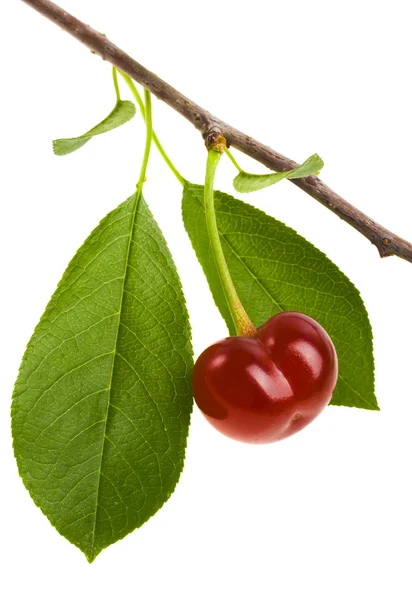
(385, 241)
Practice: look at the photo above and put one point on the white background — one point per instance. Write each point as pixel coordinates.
(327, 513)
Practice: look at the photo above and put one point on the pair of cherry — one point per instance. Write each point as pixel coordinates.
(267, 386)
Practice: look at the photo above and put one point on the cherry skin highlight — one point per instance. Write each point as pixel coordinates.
(266, 387)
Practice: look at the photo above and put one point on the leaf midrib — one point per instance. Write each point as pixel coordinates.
(109, 389)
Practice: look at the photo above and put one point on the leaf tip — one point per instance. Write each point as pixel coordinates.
(91, 555)
(56, 147)
(319, 162)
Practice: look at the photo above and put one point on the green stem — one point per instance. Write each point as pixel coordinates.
(167, 160)
(156, 141)
(240, 318)
(149, 135)
(116, 84)
(234, 161)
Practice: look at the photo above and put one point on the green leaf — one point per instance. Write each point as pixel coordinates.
(247, 182)
(274, 269)
(102, 401)
(122, 112)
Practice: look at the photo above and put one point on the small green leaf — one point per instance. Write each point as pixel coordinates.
(122, 112)
(102, 401)
(274, 269)
(247, 182)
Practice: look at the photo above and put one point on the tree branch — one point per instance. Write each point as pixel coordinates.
(386, 242)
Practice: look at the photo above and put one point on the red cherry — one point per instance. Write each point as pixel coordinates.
(263, 388)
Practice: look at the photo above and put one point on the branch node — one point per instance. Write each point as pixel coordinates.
(215, 140)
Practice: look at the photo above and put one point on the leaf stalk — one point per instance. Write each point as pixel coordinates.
(116, 83)
(233, 159)
(156, 141)
(148, 144)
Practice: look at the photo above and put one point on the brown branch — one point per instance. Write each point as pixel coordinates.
(385, 241)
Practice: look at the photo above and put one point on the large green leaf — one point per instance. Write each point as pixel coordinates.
(274, 269)
(102, 401)
(122, 112)
(248, 182)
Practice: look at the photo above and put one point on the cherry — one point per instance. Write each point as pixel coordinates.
(265, 387)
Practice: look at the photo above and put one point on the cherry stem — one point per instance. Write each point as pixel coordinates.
(243, 324)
